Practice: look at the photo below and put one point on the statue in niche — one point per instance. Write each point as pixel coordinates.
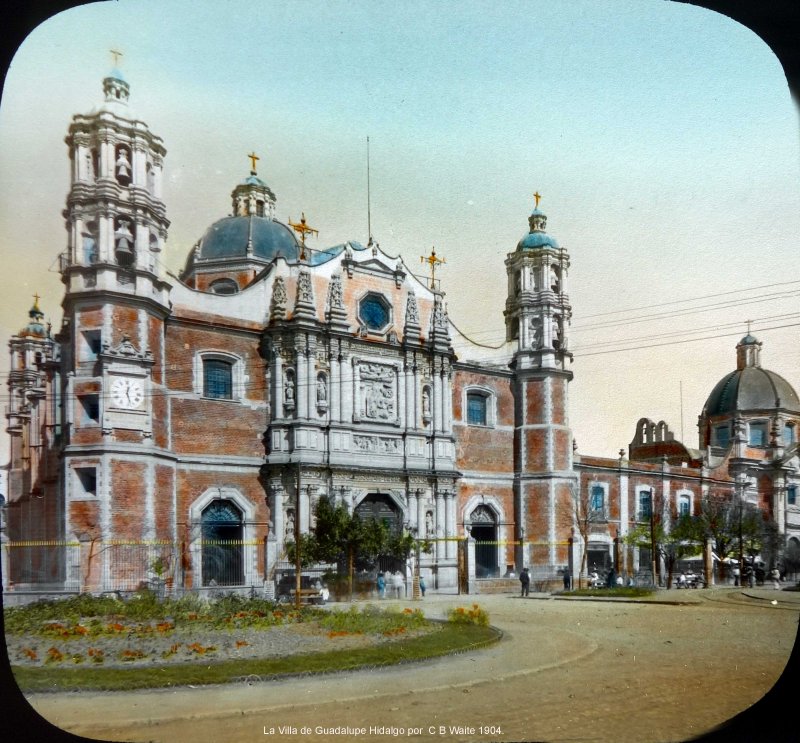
(123, 164)
(428, 523)
(288, 391)
(535, 330)
(151, 178)
(289, 531)
(89, 247)
(426, 402)
(322, 390)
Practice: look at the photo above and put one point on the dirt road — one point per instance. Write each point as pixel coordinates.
(565, 671)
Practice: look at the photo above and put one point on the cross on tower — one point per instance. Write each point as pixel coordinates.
(537, 196)
(116, 55)
(432, 260)
(253, 159)
(749, 323)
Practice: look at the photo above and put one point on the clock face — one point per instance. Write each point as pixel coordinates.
(127, 393)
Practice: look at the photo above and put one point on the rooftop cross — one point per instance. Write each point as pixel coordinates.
(538, 197)
(116, 54)
(302, 229)
(253, 159)
(749, 323)
(432, 260)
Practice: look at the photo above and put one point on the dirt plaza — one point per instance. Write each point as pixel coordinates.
(565, 670)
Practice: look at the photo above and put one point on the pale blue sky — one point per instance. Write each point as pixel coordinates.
(662, 137)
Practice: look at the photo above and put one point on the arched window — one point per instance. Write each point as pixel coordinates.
(684, 506)
(224, 286)
(217, 379)
(597, 500)
(222, 529)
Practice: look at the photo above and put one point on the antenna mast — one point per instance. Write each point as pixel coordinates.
(369, 215)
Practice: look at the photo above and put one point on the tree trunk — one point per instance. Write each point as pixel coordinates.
(350, 562)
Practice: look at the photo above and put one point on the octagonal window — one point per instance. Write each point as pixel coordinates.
(374, 311)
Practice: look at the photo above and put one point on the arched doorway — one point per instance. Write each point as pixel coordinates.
(484, 532)
(222, 533)
(384, 510)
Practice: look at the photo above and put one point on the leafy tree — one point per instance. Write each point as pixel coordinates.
(736, 527)
(583, 516)
(682, 540)
(344, 538)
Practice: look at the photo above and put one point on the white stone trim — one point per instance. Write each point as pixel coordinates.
(491, 405)
(502, 527)
(238, 378)
(249, 551)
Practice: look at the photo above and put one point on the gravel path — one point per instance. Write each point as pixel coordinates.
(565, 671)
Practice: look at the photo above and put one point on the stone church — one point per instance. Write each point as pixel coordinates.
(187, 425)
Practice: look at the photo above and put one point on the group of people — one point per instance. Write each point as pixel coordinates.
(395, 584)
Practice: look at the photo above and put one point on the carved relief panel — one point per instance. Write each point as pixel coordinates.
(377, 392)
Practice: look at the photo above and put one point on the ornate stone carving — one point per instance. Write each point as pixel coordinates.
(377, 391)
(305, 293)
(412, 310)
(376, 444)
(335, 295)
(322, 391)
(277, 306)
(288, 391)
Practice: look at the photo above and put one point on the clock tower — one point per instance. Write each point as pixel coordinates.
(112, 337)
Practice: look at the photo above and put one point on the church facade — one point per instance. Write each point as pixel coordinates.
(202, 416)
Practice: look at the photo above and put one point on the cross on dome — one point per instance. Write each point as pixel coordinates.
(253, 160)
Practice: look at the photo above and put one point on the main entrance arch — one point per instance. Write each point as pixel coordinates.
(384, 510)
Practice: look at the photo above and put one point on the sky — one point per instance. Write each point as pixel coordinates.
(661, 136)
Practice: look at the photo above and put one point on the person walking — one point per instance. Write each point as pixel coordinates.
(380, 584)
(525, 580)
(775, 574)
(422, 586)
(567, 579)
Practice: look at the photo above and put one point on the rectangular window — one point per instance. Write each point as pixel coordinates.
(87, 480)
(683, 506)
(90, 347)
(597, 501)
(90, 408)
(791, 495)
(645, 504)
(758, 434)
(788, 433)
(217, 379)
(722, 435)
(476, 409)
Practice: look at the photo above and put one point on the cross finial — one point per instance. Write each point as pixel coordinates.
(432, 260)
(537, 196)
(302, 229)
(749, 323)
(116, 54)
(253, 159)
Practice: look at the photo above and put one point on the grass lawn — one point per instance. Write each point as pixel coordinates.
(451, 638)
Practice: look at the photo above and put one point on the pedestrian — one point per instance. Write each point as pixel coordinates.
(399, 584)
(380, 584)
(775, 574)
(736, 575)
(422, 585)
(567, 579)
(682, 580)
(525, 580)
(611, 578)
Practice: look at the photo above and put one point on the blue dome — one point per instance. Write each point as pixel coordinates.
(229, 237)
(535, 240)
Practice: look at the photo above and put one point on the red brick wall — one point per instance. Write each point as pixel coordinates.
(128, 489)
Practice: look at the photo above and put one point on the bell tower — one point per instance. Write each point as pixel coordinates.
(115, 305)
(537, 318)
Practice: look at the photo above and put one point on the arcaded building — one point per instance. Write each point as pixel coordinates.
(181, 428)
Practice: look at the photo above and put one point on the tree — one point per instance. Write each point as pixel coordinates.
(737, 528)
(344, 538)
(680, 541)
(584, 514)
